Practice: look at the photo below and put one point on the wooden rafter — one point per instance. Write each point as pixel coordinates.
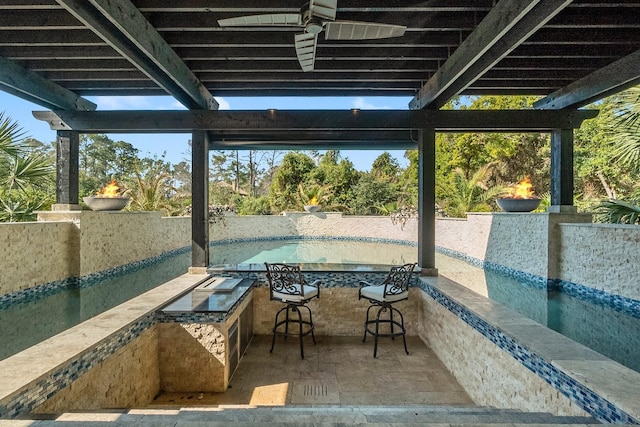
(288, 124)
(506, 26)
(620, 75)
(34, 88)
(125, 29)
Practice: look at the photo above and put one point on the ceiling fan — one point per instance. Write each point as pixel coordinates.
(314, 17)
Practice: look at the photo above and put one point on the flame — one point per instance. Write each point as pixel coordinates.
(313, 201)
(521, 190)
(109, 190)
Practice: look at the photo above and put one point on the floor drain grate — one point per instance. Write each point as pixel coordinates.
(315, 390)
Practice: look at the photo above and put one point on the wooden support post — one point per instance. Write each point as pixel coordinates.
(67, 158)
(427, 202)
(199, 202)
(562, 171)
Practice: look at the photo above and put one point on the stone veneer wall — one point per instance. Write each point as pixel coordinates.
(194, 355)
(603, 256)
(596, 256)
(112, 239)
(128, 378)
(317, 224)
(32, 254)
(563, 247)
(337, 312)
(490, 376)
(525, 242)
(54, 252)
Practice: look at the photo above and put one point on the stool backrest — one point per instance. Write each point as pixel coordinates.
(283, 278)
(397, 281)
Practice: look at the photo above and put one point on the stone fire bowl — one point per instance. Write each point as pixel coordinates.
(518, 205)
(106, 203)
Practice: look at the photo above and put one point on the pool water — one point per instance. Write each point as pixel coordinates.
(332, 251)
(29, 323)
(610, 332)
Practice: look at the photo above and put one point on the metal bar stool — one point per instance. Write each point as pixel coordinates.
(394, 288)
(287, 285)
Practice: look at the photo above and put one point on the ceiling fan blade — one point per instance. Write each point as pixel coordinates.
(273, 19)
(353, 30)
(306, 50)
(324, 9)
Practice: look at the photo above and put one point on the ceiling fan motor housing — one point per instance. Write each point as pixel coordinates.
(312, 24)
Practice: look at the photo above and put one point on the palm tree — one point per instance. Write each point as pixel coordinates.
(470, 194)
(151, 193)
(23, 175)
(626, 128)
(626, 142)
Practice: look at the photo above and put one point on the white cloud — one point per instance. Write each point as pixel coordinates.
(360, 103)
(223, 104)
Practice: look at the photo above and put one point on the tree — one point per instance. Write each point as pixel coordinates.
(626, 128)
(371, 193)
(152, 188)
(102, 159)
(339, 174)
(385, 167)
(464, 194)
(283, 193)
(25, 175)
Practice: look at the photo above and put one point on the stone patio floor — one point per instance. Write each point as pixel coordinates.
(335, 371)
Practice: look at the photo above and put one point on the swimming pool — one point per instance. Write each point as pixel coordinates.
(37, 318)
(313, 251)
(610, 332)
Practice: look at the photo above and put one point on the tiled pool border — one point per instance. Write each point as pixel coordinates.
(619, 303)
(600, 408)
(37, 393)
(25, 296)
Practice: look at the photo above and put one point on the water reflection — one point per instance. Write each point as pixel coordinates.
(27, 324)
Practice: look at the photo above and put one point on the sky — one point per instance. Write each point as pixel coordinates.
(175, 146)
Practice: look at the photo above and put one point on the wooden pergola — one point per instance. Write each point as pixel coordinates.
(55, 52)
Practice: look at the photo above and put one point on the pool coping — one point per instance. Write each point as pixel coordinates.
(84, 341)
(606, 389)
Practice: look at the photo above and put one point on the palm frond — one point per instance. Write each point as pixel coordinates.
(616, 211)
(11, 135)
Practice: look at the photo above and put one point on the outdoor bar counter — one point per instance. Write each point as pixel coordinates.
(216, 315)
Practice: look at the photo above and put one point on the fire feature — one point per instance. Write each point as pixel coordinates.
(520, 198)
(107, 198)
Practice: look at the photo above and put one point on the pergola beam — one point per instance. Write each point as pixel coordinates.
(28, 85)
(121, 25)
(616, 77)
(506, 26)
(286, 123)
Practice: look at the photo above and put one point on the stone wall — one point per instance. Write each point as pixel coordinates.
(545, 244)
(317, 224)
(337, 312)
(37, 253)
(560, 246)
(32, 254)
(490, 376)
(602, 256)
(196, 356)
(111, 239)
(127, 379)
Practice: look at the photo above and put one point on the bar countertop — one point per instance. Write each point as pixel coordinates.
(215, 299)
